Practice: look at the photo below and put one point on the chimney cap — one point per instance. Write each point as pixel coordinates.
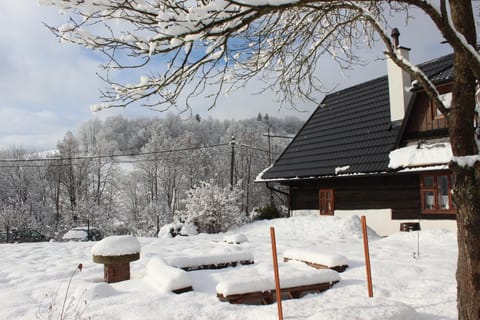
(395, 35)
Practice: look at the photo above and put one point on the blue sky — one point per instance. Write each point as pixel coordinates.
(48, 86)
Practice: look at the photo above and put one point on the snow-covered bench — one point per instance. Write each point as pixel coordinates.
(261, 289)
(167, 278)
(213, 260)
(317, 260)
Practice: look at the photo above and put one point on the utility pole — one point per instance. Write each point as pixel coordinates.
(269, 146)
(232, 161)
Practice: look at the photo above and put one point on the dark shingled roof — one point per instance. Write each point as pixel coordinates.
(351, 128)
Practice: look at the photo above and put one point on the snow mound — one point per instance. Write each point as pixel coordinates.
(101, 290)
(235, 238)
(174, 229)
(116, 246)
(350, 228)
(311, 227)
(365, 308)
(165, 277)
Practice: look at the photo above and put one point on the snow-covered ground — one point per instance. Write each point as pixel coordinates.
(34, 275)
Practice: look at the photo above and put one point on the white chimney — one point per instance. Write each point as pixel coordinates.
(398, 81)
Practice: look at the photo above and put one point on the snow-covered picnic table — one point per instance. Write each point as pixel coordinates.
(216, 258)
(167, 278)
(248, 286)
(317, 258)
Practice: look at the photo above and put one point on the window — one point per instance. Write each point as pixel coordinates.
(436, 195)
(326, 202)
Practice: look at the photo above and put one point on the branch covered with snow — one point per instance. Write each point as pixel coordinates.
(187, 49)
(194, 46)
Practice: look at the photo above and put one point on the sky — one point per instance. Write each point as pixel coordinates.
(47, 87)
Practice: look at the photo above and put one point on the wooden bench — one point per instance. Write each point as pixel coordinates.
(268, 297)
(295, 283)
(211, 261)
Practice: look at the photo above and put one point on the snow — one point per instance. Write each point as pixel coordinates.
(466, 161)
(75, 234)
(235, 238)
(214, 256)
(404, 288)
(261, 173)
(100, 106)
(166, 278)
(310, 255)
(266, 2)
(291, 275)
(341, 169)
(423, 154)
(116, 246)
(67, 27)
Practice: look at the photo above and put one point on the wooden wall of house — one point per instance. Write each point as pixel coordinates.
(399, 192)
(423, 118)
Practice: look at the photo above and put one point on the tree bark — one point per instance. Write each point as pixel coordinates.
(467, 187)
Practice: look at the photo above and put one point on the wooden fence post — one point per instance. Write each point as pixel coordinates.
(277, 277)
(367, 257)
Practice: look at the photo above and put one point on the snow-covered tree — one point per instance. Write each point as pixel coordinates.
(8, 219)
(21, 187)
(212, 208)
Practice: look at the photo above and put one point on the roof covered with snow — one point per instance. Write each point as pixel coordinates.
(351, 130)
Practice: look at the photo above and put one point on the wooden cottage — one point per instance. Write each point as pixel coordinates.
(379, 149)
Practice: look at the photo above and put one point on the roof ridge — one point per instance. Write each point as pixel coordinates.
(361, 84)
(420, 65)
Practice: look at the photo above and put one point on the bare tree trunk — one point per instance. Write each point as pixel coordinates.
(467, 183)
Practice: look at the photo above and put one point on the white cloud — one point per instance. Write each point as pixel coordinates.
(32, 129)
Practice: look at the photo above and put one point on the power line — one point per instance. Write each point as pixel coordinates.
(30, 163)
(112, 155)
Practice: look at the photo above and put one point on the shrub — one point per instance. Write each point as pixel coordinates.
(212, 208)
(266, 213)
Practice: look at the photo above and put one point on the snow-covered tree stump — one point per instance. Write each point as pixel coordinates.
(116, 253)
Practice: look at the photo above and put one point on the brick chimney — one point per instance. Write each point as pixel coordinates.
(398, 81)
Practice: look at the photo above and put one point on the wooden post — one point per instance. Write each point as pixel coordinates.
(116, 268)
(277, 277)
(367, 257)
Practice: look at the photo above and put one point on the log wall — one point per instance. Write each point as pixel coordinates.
(401, 193)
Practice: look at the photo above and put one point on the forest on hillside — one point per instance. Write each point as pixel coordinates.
(134, 175)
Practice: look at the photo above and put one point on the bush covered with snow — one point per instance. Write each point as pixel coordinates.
(213, 208)
(177, 229)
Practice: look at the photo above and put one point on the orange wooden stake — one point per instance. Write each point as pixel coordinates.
(275, 270)
(367, 257)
